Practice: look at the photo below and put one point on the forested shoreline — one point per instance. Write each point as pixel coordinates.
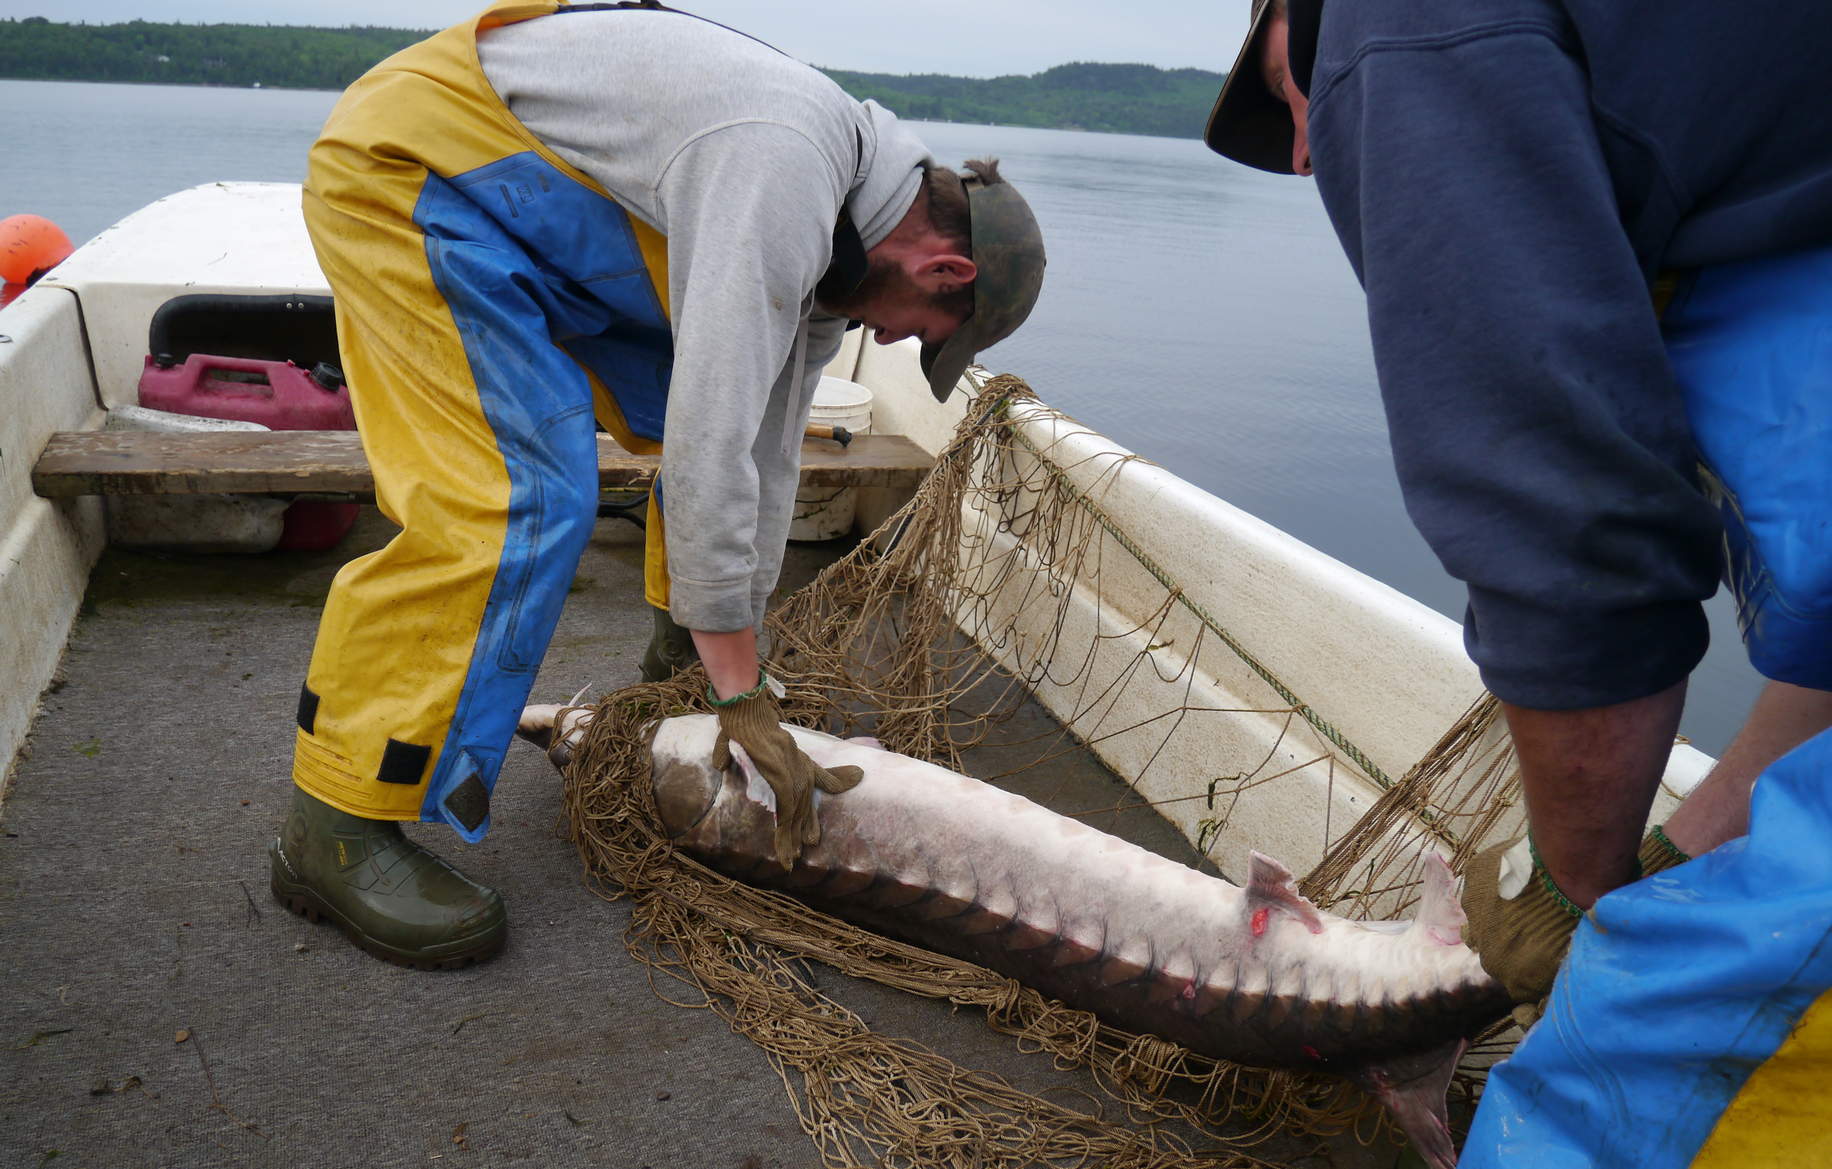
(1122, 99)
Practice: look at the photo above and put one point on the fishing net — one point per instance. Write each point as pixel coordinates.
(971, 600)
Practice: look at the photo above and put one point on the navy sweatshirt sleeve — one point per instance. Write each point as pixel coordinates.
(1540, 441)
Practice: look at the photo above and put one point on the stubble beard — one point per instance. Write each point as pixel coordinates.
(885, 283)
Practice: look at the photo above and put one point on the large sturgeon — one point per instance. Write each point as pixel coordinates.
(1256, 975)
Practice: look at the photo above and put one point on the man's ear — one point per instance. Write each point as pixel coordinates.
(946, 272)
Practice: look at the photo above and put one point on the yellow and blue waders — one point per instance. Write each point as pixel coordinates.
(491, 301)
(1751, 348)
(1692, 1024)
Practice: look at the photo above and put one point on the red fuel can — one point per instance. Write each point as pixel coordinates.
(278, 395)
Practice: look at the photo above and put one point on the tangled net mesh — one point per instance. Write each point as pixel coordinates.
(926, 637)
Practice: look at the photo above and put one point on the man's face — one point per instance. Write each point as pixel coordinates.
(1275, 68)
(893, 305)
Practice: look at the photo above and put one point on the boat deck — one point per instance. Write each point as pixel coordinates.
(161, 1009)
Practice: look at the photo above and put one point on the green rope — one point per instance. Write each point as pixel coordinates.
(1301, 708)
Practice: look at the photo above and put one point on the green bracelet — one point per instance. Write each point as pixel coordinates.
(763, 685)
(1545, 878)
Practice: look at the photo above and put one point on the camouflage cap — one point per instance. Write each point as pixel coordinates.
(1008, 251)
(1250, 124)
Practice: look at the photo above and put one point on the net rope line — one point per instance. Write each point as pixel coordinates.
(1388, 813)
(1302, 708)
(877, 639)
(1413, 801)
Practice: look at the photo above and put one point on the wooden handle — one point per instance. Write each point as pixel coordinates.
(838, 434)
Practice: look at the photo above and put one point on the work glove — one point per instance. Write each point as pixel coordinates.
(1519, 923)
(1658, 853)
(753, 721)
(1521, 926)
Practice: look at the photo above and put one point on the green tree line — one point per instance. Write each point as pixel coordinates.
(1122, 99)
(194, 54)
(1119, 99)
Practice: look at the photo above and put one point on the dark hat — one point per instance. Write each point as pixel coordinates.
(1008, 251)
(1250, 124)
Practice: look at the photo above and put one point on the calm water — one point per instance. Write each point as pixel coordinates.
(1198, 312)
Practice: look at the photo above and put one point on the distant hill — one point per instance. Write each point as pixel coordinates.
(1120, 99)
(195, 54)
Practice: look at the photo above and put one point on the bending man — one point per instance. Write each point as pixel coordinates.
(547, 216)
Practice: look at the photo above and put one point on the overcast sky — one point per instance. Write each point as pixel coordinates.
(979, 38)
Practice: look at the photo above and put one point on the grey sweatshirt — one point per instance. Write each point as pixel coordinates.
(742, 158)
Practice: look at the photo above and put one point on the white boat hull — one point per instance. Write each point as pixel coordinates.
(1388, 673)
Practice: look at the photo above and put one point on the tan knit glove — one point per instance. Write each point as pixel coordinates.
(1658, 853)
(754, 722)
(1522, 939)
(1519, 924)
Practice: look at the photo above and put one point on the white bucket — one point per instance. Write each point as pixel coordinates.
(826, 513)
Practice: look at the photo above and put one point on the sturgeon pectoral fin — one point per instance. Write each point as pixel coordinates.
(1441, 916)
(1270, 889)
(1413, 1088)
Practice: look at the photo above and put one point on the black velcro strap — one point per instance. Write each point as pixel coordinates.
(403, 762)
(308, 709)
(470, 802)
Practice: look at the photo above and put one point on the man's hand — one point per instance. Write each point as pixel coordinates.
(1589, 777)
(754, 722)
(1520, 925)
(749, 717)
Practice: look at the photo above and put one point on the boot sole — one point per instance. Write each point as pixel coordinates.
(305, 902)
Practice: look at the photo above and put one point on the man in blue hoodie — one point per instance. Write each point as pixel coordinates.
(1596, 242)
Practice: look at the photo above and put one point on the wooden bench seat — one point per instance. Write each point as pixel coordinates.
(331, 463)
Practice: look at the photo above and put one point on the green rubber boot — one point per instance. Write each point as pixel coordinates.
(391, 897)
(670, 649)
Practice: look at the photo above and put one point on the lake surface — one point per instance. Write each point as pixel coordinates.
(1198, 312)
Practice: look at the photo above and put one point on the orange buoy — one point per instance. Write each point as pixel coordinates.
(29, 246)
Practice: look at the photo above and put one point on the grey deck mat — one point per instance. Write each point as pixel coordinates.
(134, 906)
